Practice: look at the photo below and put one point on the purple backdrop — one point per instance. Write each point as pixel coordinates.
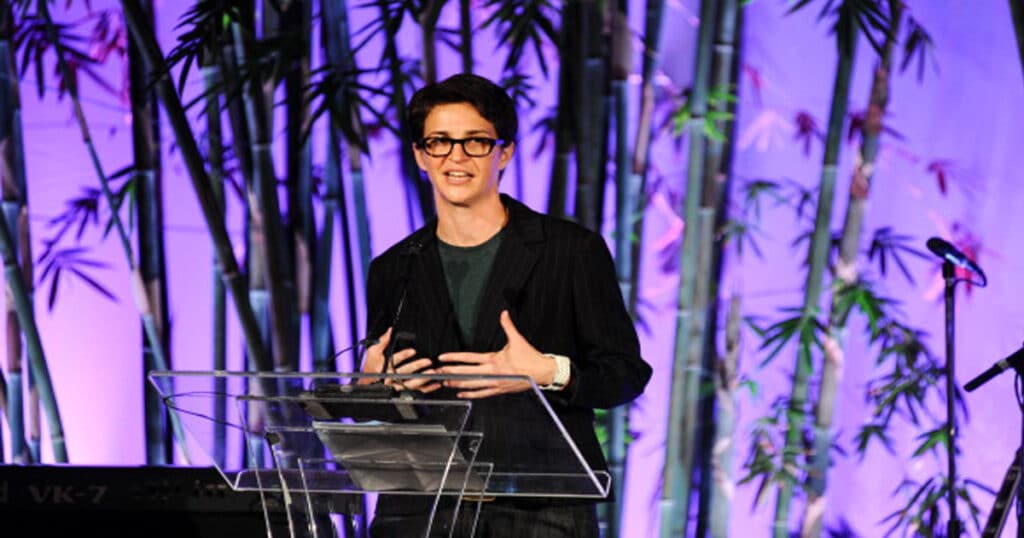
(966, 115)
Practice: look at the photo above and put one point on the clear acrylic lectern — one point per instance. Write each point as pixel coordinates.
(313, 443)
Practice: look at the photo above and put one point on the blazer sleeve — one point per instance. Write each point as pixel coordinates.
(608, 369)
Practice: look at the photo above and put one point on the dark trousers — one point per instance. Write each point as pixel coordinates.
(497, 520)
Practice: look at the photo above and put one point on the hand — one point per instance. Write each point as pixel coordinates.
(518, 357)
(374, 363)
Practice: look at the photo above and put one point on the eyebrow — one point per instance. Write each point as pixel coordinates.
(470, 133)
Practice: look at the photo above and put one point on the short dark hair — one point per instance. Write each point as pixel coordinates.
(489, 99)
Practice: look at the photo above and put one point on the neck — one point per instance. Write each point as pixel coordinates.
(470, 226)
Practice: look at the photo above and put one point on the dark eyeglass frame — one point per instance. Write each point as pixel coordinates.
(493, 143)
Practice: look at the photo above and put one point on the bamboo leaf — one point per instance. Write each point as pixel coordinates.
(887, 244)
(918, 48)
(782, 332)
(203, 23)
(800, 4)
(873, 432)
(980, 485)
(93, 283)
(522, 25)
(752, 387)
(52, 296)
(931, 441)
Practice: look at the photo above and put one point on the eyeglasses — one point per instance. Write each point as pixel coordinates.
(442, 146)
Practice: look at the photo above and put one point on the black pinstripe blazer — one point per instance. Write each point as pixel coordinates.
(557, 280)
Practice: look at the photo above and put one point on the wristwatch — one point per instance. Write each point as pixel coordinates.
(562, 372)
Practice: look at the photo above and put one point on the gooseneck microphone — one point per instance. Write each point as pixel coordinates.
(361, 343)
(411, 252)
(1015, 361)
(945, 250)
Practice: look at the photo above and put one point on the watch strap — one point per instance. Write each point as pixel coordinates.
(563, 370)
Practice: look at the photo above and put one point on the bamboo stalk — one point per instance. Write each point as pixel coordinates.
(642, 143)
(686, 372)
(267, 232)
(140, 295)
(344, 118)
(353, 299)
(354, 139)
(301, 227)
(15, 211)
(200, 183)
(621, 67)
(240, 138)
(466, 36)
(427, 18)
(846, 273)
(215, 152)
(37, 358)
(416, 188)
(241, 143)
(817, 259)
(5, 410)
(320, 328)
(558, 184)
(151, 259)
(716, 184)
(725, 424)
(590, 102)
(254, 105)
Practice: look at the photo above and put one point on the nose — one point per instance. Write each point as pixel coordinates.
(458, 152)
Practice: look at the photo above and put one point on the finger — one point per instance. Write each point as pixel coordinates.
(381, 343)
(474, 358)
(410, 367)
(469, 383)
(462, 370)
(511, 332)
(493, 390)
(404, 366)
(423, 384)
(419, 384)
(478, 394)
(401, 359)
(374, 362)
(427, 389)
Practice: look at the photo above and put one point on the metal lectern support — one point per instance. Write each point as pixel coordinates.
(949, 276)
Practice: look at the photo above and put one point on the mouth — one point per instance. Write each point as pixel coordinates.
(458, 176)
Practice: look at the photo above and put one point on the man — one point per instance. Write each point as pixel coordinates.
(492, 287)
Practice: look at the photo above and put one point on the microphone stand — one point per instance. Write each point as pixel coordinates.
(949, 276)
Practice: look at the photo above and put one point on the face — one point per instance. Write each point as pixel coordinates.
(458, 179)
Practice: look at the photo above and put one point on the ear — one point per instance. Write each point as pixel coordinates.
(419, 157)
(506, 155)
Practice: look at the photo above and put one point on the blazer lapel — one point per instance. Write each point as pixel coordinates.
(428, 288)
(511, 267)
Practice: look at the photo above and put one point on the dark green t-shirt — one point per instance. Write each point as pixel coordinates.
(466, 269)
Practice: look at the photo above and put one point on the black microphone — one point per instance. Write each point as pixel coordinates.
(946, 251)
(411, 252)
(1015, 361)
(368, 341)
